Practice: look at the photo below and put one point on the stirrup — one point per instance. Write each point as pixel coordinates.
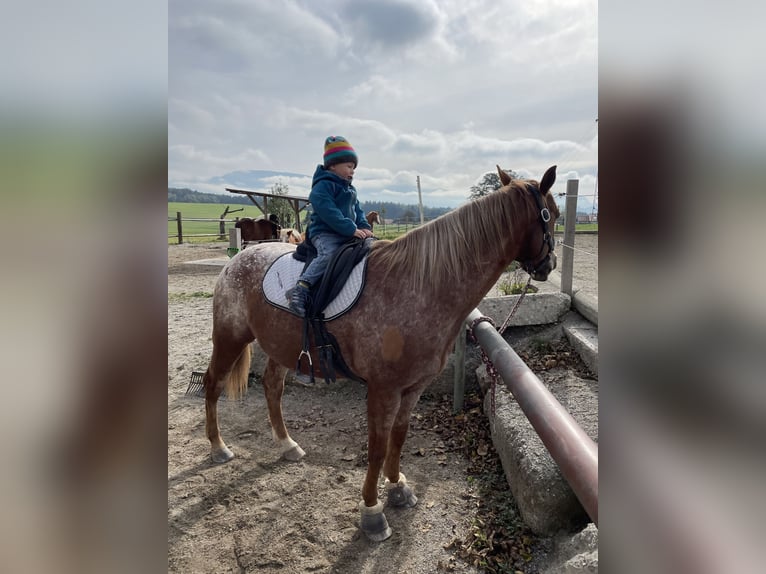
(305, 351)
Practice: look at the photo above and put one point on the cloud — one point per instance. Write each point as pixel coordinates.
(209, 164)
(375, 87)
(450, 90)
(391, 24)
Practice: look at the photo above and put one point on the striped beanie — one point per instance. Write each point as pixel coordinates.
(338, 150)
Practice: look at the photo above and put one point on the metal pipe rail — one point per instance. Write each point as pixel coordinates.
(572, 449)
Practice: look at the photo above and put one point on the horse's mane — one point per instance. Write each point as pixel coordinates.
(436, 251)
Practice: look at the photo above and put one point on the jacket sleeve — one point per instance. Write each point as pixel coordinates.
(321, 198)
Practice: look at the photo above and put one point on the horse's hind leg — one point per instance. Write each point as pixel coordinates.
(273, 387)
(229, 366)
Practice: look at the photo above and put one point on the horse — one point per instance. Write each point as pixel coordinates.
(258, 229)
(373, 217)
(419, 289)
(290, 235)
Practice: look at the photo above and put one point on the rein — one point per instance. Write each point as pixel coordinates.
(491, 370)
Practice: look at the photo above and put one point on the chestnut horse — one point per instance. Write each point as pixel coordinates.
(373, 217)
(258, 229)
(290, 235)
(419, 290)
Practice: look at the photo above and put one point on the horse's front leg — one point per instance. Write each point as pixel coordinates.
(399, 492)
(381, 410)
(273, 387)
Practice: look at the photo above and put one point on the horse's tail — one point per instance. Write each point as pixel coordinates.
(236, 383)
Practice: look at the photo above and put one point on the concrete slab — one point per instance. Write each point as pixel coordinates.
(536, 309)
(546, 502)
(583, 336)
(213, 265)
(583, 303)
(574, 554)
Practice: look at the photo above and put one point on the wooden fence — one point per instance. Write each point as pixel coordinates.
(179, 226)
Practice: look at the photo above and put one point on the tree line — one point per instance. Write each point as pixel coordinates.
(186, 195)
(402, 211)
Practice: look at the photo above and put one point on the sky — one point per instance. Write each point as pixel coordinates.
(445, 90)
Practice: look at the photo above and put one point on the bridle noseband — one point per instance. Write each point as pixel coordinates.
(545, 216)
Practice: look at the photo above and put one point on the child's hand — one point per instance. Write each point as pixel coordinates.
(360, 233)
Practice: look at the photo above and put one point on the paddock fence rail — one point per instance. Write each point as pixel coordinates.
(179, 219)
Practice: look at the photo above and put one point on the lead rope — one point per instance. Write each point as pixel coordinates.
(491, 370)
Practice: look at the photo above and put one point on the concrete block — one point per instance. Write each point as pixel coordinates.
(211, 266)
(583, 336)
(574, 553)
(535, 309)
(546, 502)
(586, 305)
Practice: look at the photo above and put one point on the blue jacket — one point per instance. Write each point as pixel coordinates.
(335, 205)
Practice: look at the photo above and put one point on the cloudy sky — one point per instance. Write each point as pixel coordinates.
(443, 89)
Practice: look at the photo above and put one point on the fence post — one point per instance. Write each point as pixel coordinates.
(570, 220)
(458, 392)
(235, 238)
(180, 229)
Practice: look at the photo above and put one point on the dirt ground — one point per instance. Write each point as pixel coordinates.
(260, 513)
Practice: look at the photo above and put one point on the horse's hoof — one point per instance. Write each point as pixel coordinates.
(221, 455)
(374, 523)
(294, 454)
(400, 494)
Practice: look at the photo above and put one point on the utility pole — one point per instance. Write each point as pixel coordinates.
(420, 202)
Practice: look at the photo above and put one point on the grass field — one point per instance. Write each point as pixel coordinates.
(580, 227)
(203, 211)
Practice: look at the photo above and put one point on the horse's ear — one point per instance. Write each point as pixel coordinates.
(548, 180)
(505, 179)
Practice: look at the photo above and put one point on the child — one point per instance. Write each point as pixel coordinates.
(336, 217)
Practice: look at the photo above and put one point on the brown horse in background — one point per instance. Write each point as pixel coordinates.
(419, 290)
(258, 229)
(373, 217)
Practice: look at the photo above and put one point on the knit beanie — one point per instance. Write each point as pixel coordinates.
(338, 150)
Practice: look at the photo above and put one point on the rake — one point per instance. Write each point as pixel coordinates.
(196, 386)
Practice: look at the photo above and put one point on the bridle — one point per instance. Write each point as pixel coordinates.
(545, 216)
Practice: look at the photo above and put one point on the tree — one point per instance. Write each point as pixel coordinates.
(281, 207)
(489, 183)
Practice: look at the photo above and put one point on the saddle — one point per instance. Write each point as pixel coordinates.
(346, 259)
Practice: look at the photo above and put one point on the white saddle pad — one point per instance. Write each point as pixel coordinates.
(283, 275)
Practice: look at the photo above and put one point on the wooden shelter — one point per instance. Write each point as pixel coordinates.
(296, 202)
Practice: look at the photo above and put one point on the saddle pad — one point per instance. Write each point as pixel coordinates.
(283, 275)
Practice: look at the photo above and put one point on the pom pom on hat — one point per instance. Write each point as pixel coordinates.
(338, 150)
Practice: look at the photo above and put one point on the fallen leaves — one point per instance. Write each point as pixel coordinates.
(497, 541)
